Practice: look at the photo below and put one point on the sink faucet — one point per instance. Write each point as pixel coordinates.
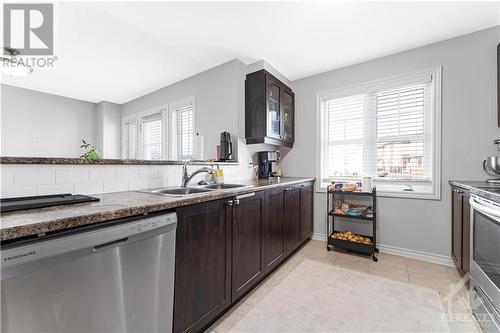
(186, 177)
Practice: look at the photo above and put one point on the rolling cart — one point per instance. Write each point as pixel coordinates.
(368, 249)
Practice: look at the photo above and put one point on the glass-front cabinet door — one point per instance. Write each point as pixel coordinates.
(287, 116)
(273, 110)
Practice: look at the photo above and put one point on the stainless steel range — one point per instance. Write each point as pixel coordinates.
(485, 262)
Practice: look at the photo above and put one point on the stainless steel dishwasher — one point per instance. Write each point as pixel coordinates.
(114, 278)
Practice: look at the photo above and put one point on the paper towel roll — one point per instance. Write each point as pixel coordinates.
(198, 147)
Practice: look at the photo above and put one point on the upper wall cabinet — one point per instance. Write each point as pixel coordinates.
(269, 110)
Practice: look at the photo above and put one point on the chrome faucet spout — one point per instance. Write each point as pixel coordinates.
(186, 177)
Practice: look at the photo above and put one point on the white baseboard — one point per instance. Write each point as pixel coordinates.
(426, 256)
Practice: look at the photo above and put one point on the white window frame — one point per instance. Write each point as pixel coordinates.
(172, 138)
(163, 110)
(386, 187)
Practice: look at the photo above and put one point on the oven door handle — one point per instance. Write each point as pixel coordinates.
(481, 207)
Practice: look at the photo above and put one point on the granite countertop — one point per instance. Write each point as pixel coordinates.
(481, 188)
(115, 205)
(104, 161)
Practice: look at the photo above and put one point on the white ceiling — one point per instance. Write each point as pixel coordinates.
(118, 51)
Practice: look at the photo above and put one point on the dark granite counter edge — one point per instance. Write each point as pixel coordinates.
(82, 220)
(473, 187)
(82, 161)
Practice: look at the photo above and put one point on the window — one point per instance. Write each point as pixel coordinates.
(181, 129)
(389, 130)
(129, 138)
(160, 132)
(151, 128)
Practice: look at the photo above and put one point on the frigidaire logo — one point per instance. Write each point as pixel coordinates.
(19, 256)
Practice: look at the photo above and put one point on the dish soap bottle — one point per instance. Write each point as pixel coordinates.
(219, 175)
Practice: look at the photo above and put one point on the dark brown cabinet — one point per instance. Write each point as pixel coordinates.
(460, 229)
(202, 264)
(292, 218)
(247, 220)
(269, 110)
(306, 210)
(274, 229)
(225, 247)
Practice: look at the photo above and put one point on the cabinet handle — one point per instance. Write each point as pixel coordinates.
(230, 203)
(243, 196)
(237, 202)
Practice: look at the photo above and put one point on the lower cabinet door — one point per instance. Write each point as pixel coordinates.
(306, 210)
(248, 216)
(465, 232)
(274, 229)
(292, 218)
(456, 228)
(202, 265)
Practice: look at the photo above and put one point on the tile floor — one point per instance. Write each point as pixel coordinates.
(416, 272)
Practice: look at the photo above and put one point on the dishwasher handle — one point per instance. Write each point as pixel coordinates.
(109, 245)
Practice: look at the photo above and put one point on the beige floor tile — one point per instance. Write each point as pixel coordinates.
(419, 266)
(353, 266)
(293, 262)
(389, 265)
(257, 295)
(463, 324)
(441, 285)
(454, 274)
(395, 275)
(226, 323)
(390, 258)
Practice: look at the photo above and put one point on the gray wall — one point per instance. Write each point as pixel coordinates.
(468, 129)
(219, 98)
(109, 129)
(39, 124)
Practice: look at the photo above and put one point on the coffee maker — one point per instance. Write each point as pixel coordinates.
(226, 147)
(268, 163)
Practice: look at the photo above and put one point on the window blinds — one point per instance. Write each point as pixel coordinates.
(151, 136)
(184, 132)
(384, 133)
(400, 129)
(130, 137)
(345, 119)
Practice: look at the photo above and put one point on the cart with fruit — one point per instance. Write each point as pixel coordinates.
(339, 208)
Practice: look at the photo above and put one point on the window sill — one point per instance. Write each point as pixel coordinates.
(420, 192)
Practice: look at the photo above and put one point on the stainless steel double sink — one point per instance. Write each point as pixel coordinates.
(179, 191)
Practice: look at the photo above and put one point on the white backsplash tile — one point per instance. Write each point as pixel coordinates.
(54, 189)
(72, 176)
(19, 191)
(138, 184)
(102, 174)
(7, 179)
(89, 188)
(34, 177)
(149, 172)
(125, 172)
(116, 186)
(25, 179)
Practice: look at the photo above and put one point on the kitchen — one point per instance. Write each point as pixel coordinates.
(287, 154)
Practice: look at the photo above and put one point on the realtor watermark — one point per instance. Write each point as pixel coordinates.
(459, 293)
(28, 35)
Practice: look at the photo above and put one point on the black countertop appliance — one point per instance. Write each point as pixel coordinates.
(268, 163)
(226, 147)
